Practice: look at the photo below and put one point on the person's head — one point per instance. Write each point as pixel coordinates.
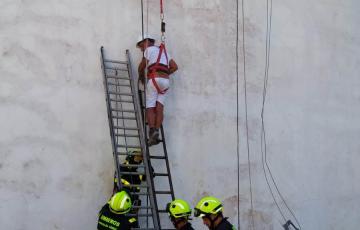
(120, 203)
(179, 212)
(144, 42)
(210, 210)
(135, 156)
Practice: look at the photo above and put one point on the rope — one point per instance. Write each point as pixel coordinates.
(246, 113)
(142, 18)
(263, 133)
(162, 25)
(237, 112)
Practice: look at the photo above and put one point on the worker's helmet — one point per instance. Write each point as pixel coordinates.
(178, 208)
(120, 203)
(207, 206)
(143, 38)
(130, 159)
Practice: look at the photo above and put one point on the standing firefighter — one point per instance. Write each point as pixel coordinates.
(112, 215)
(159, 66)
(179, 212)
(210, 210)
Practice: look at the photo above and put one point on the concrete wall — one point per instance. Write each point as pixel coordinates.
(55, 153)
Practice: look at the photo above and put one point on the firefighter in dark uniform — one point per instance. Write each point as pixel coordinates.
(112, 215)
(127, 180)
(210, 210)
(179, 213)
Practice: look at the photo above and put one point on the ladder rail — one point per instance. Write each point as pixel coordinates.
(167, 162)
(145, 152)
(110, 118)
(164, 157)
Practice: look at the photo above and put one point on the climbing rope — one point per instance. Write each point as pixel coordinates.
(265, 163)
(246, 115)
(162, 25)
(237, 113)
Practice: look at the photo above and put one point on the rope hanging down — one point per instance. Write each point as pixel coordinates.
(265, 164)
(162, 17)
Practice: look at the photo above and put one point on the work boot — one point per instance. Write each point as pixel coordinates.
(151, 132)
(156, 134)
(153, 136)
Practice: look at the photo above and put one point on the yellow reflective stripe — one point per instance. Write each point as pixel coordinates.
(132, 220)
(125, 182)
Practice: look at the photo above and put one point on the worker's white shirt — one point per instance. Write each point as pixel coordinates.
(151, 54)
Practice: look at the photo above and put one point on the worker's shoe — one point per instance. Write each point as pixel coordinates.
(153, 136)
(156, 134)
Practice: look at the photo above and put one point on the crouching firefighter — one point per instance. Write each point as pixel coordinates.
(210, 210)
(112, 216)
(159, 66)
(179, 213)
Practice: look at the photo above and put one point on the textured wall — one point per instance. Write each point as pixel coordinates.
(55, 153)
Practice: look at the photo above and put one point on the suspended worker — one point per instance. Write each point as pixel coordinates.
(210, 210)
(159, 66)
(179, 213)
(112, 216)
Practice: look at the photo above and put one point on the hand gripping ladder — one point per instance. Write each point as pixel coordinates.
(127, 132)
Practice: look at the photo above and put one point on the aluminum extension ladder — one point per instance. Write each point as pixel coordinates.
(128, 131)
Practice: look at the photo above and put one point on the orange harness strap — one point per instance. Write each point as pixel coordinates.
(154, 68)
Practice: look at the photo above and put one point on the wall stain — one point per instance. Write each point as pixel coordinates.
(262, 221)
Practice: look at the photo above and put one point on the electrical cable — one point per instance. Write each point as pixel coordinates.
(263, 133)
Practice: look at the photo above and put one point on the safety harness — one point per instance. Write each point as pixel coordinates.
(158, 67)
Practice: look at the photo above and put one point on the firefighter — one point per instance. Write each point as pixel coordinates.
(210, 210)
(112, 215)
(127, 180)
(179, 213)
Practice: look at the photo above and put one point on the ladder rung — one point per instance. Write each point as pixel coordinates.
(157, 157)
(161, 174)
(125, 85)
(136, 186)
(127, 154)
(132, 173)
(140, 193)
(128, 146)
(162, 211)
(132, 165)
(148, 229)
(141, 207)
(139, 215)
(126, 128)
(123, 110)
(115, 68)
(121, 94)
(114, 61)
(127, 135)
(124, 117)
(123, 101)
(162, 192)
(116, 77)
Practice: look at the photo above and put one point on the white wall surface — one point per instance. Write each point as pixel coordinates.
(56, 164)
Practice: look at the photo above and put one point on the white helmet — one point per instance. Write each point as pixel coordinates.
(146, 36)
